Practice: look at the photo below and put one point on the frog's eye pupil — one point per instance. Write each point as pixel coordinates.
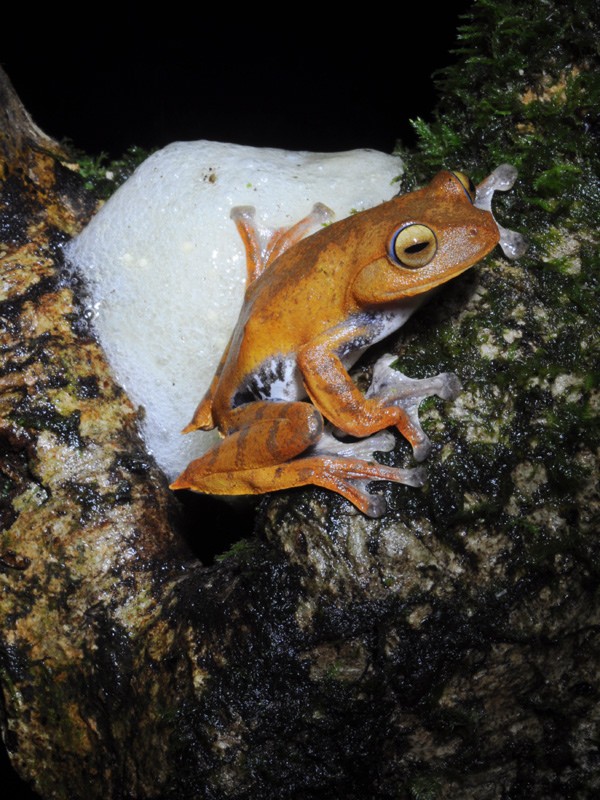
(413, 246)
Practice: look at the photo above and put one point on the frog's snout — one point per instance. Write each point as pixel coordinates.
(502, 179)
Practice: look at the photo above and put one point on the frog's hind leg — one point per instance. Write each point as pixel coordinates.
(275, 452)
(344, 476)
(258, 435)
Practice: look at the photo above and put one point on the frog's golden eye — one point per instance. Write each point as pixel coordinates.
(413, 246)
(466, 183)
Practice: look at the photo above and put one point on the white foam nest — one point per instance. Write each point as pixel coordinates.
(166, 269)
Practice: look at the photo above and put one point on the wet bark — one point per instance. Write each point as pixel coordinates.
(87, 550)
(448, 649)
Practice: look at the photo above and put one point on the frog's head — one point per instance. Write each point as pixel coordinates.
(435, 233)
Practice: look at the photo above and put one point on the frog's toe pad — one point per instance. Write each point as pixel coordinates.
(416, 477)
(375, 504)
(449, 385)
(422, 450)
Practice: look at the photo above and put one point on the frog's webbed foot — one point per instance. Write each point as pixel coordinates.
(394, 388)
(353, 469)
(350, 477)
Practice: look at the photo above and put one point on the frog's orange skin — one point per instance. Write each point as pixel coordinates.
(309, 312)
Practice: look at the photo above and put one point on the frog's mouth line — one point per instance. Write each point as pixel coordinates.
(430, 286)
(502, 179)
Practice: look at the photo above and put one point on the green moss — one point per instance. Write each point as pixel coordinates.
(102, 175)
(529, 349)
(424, 787)
(241, 548)
(526, 93)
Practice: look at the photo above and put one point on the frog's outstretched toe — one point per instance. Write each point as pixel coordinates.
(422, 450)
(361, 449)
(376, 506)
(450, 386)
(417, 477)
(503, 178)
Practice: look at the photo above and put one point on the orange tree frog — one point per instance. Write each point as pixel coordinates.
(313, 305)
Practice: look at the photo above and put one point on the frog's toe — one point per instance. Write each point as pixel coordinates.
(422, 449)
(362, 449)
(450, 386)
(513, 244)
(416, 478)
(374, 505)
(242, 212)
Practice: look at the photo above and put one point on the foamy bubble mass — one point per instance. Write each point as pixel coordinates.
(166, 269)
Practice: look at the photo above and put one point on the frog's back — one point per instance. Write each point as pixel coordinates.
(297, 298)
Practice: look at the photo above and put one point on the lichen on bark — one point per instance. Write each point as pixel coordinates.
(87, 548)
(449, 649)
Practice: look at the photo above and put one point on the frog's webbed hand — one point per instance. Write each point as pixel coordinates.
(502, 179)
(263, 246)
(394, 388)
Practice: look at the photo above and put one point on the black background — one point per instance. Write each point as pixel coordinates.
(298, 82)
(327, 79)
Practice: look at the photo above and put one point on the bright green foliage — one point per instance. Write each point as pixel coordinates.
(103, 176)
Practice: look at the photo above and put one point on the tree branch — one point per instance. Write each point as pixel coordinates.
(439, 651)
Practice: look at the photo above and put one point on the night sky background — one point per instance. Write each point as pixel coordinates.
(106, 81)
(300, 83)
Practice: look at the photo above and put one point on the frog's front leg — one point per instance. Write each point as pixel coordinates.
(393, 399)
(334, 393)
